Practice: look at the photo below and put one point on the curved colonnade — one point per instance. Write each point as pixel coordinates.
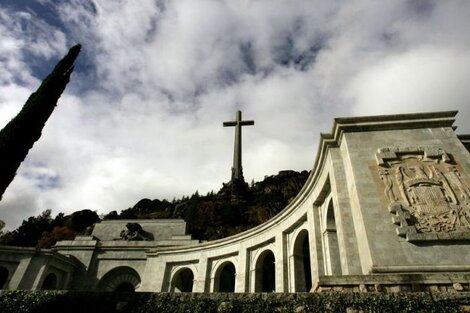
(361, 222)
(338, 225)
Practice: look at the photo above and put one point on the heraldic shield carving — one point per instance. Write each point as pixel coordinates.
(427, 193)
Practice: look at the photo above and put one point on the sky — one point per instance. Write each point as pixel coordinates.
(142, 115)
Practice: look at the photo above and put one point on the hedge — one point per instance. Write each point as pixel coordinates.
(104, 302)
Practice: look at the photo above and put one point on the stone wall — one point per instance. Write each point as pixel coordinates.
(36, 269)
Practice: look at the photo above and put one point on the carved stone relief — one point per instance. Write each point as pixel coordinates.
(426, 192)
(135, 232)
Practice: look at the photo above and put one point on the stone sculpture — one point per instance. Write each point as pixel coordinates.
(133, 232)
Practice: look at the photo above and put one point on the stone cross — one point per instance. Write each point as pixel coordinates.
(237, 171)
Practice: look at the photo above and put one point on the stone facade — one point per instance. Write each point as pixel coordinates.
(35, 269)
(386, 208)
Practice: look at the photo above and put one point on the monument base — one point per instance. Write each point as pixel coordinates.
(237, 190)
(389, 283)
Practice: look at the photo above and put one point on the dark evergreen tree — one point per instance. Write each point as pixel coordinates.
(80, 220)
(28, 234)
(19, 135)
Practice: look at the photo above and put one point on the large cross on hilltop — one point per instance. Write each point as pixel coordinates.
(237, 170)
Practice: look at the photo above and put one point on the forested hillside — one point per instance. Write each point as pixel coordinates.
(208, 217)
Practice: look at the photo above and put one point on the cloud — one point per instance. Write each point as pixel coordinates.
(424, 79)
(185, 48)
(24, 36)
(142, 115)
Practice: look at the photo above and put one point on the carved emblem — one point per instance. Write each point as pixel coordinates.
(427, 194)
(134, 232)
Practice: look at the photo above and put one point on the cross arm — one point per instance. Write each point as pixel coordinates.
(227, 124)
(245, 123)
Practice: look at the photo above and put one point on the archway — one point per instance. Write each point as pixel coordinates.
(50, 282)
(120, 279)
(3, 277)
(330, 243)
(224, 280)
(302, 268)
(125, 287)
(182, 281)
(265, 272)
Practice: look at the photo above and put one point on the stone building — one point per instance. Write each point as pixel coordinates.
(386, 208)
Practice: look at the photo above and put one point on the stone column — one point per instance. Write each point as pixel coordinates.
(155, 275)
(201, 275)
(332, 258)
(16, 278)
(40, 276)
(280, 259)
(315, 242)
(242, 272)
(346, 235)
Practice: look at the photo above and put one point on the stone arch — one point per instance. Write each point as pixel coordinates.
(122, 278)
(50, 282)
(125, 287)
(224, 278)
(4, 273)
(302, 265)
(265, 272)
(182, 281)
(330, 242)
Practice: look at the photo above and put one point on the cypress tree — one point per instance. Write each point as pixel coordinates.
(19, 135)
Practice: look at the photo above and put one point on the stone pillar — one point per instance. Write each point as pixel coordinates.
(280, 259)
(315, 244)
(84, 248)
(32, 276)
(252, 271)
(346, 235)
(242, 272)
(332, 258)
(154, 277)
(201, 275)
(40, 276)
(15, 281)
(291, 273)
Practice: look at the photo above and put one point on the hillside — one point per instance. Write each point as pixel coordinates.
(214, 215)
(208, 217)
